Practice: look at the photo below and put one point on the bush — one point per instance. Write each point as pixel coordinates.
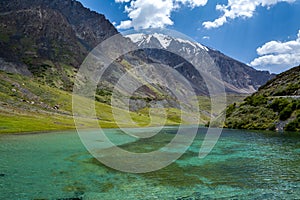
(288, 90)
(279, 104)
(296, 104)
(256, 100)
(230, 109)
(103, 92)
(286, 112)
(272, 127)
(293, 125)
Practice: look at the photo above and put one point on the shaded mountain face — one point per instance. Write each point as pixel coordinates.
(275, 106)
(237, 77)
(50, 16)
(49, 38)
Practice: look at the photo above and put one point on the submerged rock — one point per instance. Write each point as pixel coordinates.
(78, 195)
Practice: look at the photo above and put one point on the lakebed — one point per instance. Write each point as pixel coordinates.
(242, 165)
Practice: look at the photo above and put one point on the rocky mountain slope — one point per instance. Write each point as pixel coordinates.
(275, 106)
(46, 41)
(237, 77)
(49, 38)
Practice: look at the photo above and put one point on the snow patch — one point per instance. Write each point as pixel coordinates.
(202, 47)
(148, 38)
(193, 44)
(164, 40)
(136, 37)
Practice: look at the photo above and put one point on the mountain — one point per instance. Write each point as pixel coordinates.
(275, 106)
(42, 45)
(236, 76)
(44, 42)
(49, 39)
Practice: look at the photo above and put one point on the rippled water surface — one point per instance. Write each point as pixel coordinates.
(243, 165)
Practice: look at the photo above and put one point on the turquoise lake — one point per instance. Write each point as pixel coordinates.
(242, 165)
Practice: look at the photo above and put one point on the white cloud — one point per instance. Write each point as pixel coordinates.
(239, 9)
(205, 37)
(153, 13)
(193, 3)
(122, 1)
(125, 24)
(280, 54)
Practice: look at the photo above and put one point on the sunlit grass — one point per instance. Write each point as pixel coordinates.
(27, 105)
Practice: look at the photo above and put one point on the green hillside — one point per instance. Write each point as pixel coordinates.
(26, 105)
(275, 106)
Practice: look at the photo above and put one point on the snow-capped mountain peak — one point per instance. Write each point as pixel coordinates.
(236, 76)
(164, 41)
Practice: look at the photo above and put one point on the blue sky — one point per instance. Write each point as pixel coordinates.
(262, 33)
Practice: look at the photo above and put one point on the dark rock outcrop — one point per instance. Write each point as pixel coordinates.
(59, 31)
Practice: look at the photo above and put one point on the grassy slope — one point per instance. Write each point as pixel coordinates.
(275, 106)
(28, 106)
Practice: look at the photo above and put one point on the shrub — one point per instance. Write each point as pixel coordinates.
(279, 104)
(103, 92)
(288, 90)
(256, 100)
(286, 112)
(293, 125)
(230, 109)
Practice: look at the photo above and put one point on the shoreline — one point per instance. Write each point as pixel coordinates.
(37, 132)
(75, 129)
(266, 132)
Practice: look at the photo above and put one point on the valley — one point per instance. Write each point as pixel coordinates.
(39, 68)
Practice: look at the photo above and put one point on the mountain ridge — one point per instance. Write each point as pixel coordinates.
(237, 77)
(50, 38)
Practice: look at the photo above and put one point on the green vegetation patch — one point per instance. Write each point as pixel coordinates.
(294, 125)
(259, 112)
